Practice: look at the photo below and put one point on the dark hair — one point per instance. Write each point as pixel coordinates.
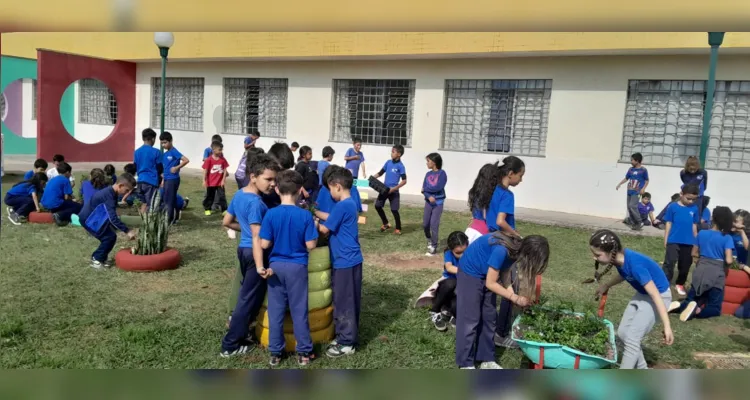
(339, 175)
(706, 200)
(327, 174)
(36, 181)
(399, 149)
(511, 164)
(356, 140)
(64, 168)
(531, 255)
(165, 136)
(456, 239)
(109, 169)
(435, 157)
(58, 158)
(130, 169)
(646, 195)
(216, 138)
(480, 193)
(691, 189)
(675, 196)
(606, 240)
(283, 155)
(126, 179)
(148, 134)
(258, 163)
(328, 151)
(294, 144)
(254, 133)
(289, 182)
(745, 215)
(638, 157)
(40, 163)
(250, 156)
(723, 218)
(304, 150)
(216, 144)
(98, 178)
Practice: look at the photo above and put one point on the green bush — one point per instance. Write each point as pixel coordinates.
(154, 232)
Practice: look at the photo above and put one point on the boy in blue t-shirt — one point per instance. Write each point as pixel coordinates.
(40, 165)
(58, 196)
(346, 256)
(23, 197)
(172, 161)
(355, 158)
(646, 210)
(680, 231)
(323, 164)
(395, 179)
(147, 159)
(290, 230)
(443, 310)
(637, 179)
(251, 139)
(245, 214)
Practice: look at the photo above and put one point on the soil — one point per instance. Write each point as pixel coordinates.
(410, 262)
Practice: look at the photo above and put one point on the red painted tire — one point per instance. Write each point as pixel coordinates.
(738, 279)
(41, 218)
(127, 261)
(729, 308)
(736, 295)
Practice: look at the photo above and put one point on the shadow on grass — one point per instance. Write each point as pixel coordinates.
(382, 305)
(741, 340)
(190, 253)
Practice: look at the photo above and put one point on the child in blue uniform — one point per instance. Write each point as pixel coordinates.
(323, 164)
(284, 156)
(346, 258)
(251, 140)
(740, 237)
(646, 210)
(355, 158)
(650, 301)
(245, 214)
(443, 310)
(208, 150)
(483, 265)
(40, 165)
(681, 227)
(325, 201)
(23, 197)
(147, 159)
(433, 189)
(172, 161)
(713, 248)
(637, 179)
(58, 196)
(290, 230)
(705, 214)
(395, 179)
(99, 217)
(97, 181)
(480, 196)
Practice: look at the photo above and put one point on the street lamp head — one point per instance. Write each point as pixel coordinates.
(164, 39)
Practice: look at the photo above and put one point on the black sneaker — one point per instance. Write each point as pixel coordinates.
(275, 360)
(440, 323)
(637, 227)
(59, 220)
(244, 348)
(453, 322)
(304, 359)
(336, 350)
(14, 219)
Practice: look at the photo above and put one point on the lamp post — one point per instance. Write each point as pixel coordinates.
(714, 40)
(163, 40)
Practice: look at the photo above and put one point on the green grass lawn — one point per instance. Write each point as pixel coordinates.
(57, 312)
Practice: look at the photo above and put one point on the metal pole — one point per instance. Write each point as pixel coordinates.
(163, 52)
(714, 40)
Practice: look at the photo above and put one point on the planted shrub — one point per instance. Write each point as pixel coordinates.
(154, 232)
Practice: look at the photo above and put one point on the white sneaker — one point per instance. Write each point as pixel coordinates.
(673, 306)
(681, 290)
(468, 368)
(232, 234)
(96, 264)
(689, 311)
(489, 365)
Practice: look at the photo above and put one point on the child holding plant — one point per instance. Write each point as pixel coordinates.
(483, 265)
(23, 197)
(651, 299)
(443, 310)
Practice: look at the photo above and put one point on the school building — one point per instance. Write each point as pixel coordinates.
(573, 106)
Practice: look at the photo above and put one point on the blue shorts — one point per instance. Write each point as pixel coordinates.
(145, 192)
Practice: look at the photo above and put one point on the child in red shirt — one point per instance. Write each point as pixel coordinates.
(214, 175)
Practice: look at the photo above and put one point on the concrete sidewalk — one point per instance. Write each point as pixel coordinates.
(20, 164)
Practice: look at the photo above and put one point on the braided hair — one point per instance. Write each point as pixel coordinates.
(607, 241)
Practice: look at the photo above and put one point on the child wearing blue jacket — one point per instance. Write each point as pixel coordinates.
(433, 189)
(99, 217)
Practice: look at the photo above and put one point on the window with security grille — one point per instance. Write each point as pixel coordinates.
(374, 111)
(33, 99)
(255, 105)
(183, 105)
(96, 103)
(498, 116)
(729, 133)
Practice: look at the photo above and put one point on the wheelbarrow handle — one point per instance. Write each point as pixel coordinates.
(602, 303)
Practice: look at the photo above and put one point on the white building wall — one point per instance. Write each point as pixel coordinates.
(29, 125)
(579, 172)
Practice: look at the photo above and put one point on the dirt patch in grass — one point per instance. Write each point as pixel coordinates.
(409, 261)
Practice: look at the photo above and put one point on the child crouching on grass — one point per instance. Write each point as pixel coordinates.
(99, 217)
(651, 299)
(485, 262)
(23, 197)
(96, 182)
(443, 310)
(713, 249)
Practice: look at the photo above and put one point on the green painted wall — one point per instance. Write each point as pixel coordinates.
(14, 68)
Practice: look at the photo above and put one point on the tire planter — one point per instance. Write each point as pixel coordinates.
(736, 291)
(318, 319)
(317, 281)
(315, 300)
(169, 259)
(319, 260)
(320, 336)
(41, 218)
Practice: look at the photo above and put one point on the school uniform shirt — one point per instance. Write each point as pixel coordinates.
(22, 189)
(449, 257)
(353, 165)
(28, 175)
(477, 213)
(101, 210)
(52, 172)
(288, 227)
(248, 209)
(146, 158)
(639, 270)
(325, 201)
(706, 216)
(207, 152)
(637, 178)
(503, 201)
(645, 209)
(713, 244)
(322, 166)
(87, 191)
(482, 254)
(55, 191)
(394, 172)
(739, 249)
(682, 218)
(170, 159)
(216, 169)
(249, 141)
(344, 239)
(434, 185)
(699, 177)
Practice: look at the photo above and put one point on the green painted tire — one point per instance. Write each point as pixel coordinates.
(319, 260)
(315, 300)
(317, 281)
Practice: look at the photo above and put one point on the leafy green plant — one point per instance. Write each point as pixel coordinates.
(154, 232)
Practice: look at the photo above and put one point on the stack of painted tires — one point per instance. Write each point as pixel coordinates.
(736, 291)
(320, 298)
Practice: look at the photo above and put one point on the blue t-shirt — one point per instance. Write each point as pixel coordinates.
(169, 159)
(393, 172)
(325, 202)
(344, 239)
(146, 158)
(249, 141)
(476, 213)
(449, 257)
(645, 209)
(739, 249)
(712, 244)
(207, 152)
(353, 165)
(87, 189)
(248, 209)
(28, 175)
(55, 191)
(288, 227)
(637, 178)
(639, 270)
(483, 253)
(22, 189)
(503, 201)
(706, 217)
(682, 218)
(322, 166)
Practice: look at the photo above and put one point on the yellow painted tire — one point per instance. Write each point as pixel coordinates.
(318, 319)
(322, 336)
(319, 260)
(315, 300)
(319, 280)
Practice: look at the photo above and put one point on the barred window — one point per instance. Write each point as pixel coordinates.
(2, 106)
(33, 99)
(499, 116)
(255, 105)
(729, 134)
(96, 103)
(375, 111)
(183, 105)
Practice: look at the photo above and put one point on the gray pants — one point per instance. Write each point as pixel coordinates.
(633, 214)
(637, 321)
